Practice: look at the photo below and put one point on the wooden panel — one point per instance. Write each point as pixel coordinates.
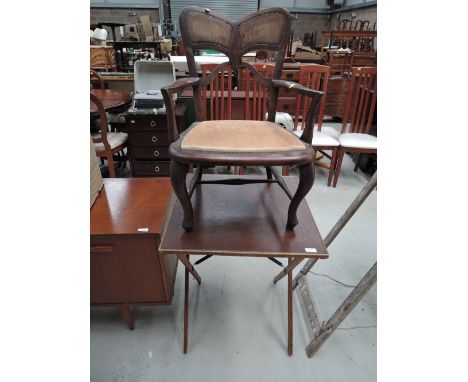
(130, 273)
(154, 153)
(151, 168)
(153, 138)
(107, 273)
(124, 205)
(287, 105)
(153, 122)
(249, 220)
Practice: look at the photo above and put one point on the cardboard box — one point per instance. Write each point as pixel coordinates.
(131, 31)
(144, 19)
(305, 55)
(96, 177)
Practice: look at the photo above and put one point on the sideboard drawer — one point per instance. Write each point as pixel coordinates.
(148, 138)
(154, 122)
(150, 153)
(151, 168)
(126, 269)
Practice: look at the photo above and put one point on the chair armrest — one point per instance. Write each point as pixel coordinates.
(181, 84)
(316, 96)
(298, 88)
(167, 92)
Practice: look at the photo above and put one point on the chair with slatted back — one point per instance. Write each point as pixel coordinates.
(359, 113)
(238, 142)
(96, 77)
(106, 143)
(325, 137)
(218, 95)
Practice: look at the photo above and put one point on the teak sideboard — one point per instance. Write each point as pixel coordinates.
(127, 223)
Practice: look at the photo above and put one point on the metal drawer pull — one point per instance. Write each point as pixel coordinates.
(156, 153)
(152, 123)
(156, 169)
(154, 139)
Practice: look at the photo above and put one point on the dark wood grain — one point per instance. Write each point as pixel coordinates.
(111, 99)
(125, 266)
(124, 205)
(246, 220)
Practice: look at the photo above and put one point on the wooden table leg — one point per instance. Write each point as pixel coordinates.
(290, 311)
(128, 316)
(186, 303)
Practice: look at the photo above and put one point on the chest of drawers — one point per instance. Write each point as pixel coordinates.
(149, 142)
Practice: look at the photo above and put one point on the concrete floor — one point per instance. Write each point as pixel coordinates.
(238, 321)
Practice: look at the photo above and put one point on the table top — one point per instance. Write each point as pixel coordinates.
(247, 220)
(126, 204)
(111, 99)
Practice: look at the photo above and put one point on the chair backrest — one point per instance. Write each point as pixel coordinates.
(97, 76)
(219, 92)
(361, 100)
(314, 77)
(256, 95)
(102, 122)
(267, 29)
(103, 58)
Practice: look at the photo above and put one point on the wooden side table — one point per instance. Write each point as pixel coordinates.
(127, 220)
(244, 221)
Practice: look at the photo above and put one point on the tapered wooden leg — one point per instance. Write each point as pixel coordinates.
(341, 154)
(128, 316)
(241, 170)
(110, 164)
(186, 307)
(285, 171)
(268, 171)
(356, 166)
(178, 178)
(331, 172)
(306, 180)
(290, 311)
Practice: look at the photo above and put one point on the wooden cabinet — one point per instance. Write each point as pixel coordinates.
(336, 96)
(149, 142)
(127, 221)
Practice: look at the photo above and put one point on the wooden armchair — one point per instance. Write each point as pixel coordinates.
(107, 143)
(240, 142)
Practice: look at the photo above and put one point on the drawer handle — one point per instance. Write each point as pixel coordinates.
(102, 248)
(156, 153)
(156, 169)
(154, 139)
(152, 123)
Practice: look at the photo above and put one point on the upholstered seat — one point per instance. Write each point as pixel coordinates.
(358, 140)
(114, 139)
(325, 129)
(321, 139)
(240, 136)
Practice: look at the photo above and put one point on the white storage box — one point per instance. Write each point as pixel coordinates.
(149, 77)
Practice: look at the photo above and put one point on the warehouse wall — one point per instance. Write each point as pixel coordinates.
(310, 22)
(367, 13)
(120, 15)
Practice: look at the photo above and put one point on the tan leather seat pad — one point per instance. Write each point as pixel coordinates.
(239, 135)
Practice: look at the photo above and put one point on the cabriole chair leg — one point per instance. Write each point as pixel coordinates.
(178, 179)
(306, 180)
